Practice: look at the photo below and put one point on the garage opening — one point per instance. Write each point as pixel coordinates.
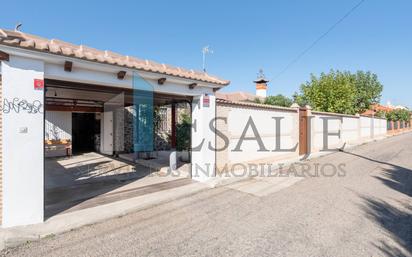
(86, 130)
(90, 145)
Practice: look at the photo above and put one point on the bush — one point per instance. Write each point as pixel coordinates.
(183, 132)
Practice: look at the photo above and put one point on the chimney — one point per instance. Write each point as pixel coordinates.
(261, 84)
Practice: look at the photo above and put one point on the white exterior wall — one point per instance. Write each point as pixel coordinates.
(354, 130)
(365, 127)
(233, 122)
(381, 127)
(350, 129)
(58, 125)
(317, 130)
(373, 127)
(23, 144)
(203, 159)
(266, 126)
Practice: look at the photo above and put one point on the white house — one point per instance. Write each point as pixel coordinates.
(42, 78)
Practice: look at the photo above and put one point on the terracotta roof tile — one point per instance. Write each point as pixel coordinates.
(238, 96)
(58, 47)
(254, 105)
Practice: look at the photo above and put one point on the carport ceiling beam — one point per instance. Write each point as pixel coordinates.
(4, 56)
(161, 81)
(53, 84)
(193, 85)
(68, 66)
(121, 74)
(65, 108)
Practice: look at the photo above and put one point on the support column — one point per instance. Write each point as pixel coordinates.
(203, 156)
(23, 141)
(173, 125)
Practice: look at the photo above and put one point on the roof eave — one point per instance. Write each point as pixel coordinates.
(36, 44)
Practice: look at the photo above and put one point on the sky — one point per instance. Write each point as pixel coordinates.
(245, 36)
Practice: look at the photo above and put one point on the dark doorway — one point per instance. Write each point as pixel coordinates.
(84, 128)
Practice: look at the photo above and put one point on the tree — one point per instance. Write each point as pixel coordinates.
(332, 92)
(381, 114)
(402, 115)
(391, 116)
(368, 90)
(395, 115)
(341, 92)
(299, 99)
(279, 100)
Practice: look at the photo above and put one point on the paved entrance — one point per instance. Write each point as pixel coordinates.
(91, 179)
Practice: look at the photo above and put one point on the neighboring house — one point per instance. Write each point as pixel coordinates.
(55, 93)
(377, 108)
(385, 108)
(261, 92)
(238, 96)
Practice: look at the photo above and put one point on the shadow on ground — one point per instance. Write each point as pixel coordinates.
(395, 220)
(67, 186)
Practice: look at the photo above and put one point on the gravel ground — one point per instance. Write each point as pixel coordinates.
(367, 212)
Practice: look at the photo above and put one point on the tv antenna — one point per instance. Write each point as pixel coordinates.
(18, 26)
(205, 50)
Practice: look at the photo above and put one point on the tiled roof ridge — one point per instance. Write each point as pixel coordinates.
(59, 47)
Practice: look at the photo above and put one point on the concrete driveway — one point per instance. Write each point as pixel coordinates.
(91, 179)
(366, 212)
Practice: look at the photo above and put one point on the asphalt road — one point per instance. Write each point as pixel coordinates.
(367, 212)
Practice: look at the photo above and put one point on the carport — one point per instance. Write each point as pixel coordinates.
(42, 77)
(81, 169)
